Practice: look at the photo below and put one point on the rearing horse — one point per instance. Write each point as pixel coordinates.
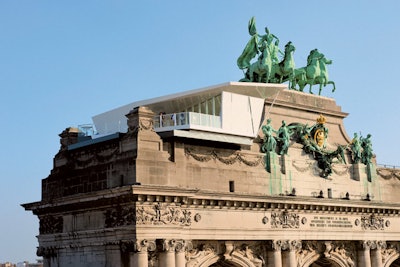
(309, 74)
(323, 79)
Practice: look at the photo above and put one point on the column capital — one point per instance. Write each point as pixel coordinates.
(172, 245)
(145, 245)
(365, 244)
(290, 245)
(277, 245)
(372, 244)
(379, 244)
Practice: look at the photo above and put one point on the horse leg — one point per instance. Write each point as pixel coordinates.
(311, 84)
(334, 87)
(320, 89)
(251, 75)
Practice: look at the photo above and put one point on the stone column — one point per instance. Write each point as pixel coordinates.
(376, 254)
(275, 256)
(289, 255)
(180, 260)
(140, 256)
(364, 258)
(167, 253)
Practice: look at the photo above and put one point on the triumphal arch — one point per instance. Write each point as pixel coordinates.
(242, 174)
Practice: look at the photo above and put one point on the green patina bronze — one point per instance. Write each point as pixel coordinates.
(313, 138)
(269, 144)
(366, 145)
(266, 67)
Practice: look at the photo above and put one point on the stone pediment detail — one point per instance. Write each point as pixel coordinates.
(224, 157)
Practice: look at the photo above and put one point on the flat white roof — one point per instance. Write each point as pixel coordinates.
(115, 121)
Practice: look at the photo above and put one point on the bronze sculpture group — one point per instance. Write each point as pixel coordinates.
(313, 138)
(268, 68)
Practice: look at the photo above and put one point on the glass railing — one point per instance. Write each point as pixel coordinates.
(186, 119)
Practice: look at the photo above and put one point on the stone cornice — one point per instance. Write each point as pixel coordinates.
(195, 198)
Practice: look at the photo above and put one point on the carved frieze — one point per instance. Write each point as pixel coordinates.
(120, 216)
(51, 224)
(285, 219)
(159, 214)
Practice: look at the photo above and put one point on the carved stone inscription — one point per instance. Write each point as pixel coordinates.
(330, 221)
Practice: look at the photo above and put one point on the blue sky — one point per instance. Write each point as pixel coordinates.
(62, 62)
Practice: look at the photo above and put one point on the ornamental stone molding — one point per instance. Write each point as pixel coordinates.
(163, 214)
(140, 119)
(372, 222)
(387, 173)
(244, 254)
(203, 254)
(285, 245)
(285, 219)
(309, 252)
(342, 252)
(390, 253)
(157, 214)
(171, 245)
(225, 157)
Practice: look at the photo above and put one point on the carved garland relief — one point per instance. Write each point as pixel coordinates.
(157, 214)
(229, 160)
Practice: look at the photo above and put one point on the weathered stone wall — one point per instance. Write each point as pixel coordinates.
(142, 156)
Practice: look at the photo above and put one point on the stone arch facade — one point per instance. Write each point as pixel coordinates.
(233, 254)
(390, 254)
(341, 253)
